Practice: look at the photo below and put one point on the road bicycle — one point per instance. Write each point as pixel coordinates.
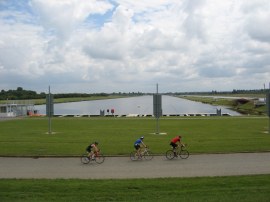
(181, 152)
(98, 158)
(146, 154)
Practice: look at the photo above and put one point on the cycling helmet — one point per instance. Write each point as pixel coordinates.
(96, 143)
(142, 138)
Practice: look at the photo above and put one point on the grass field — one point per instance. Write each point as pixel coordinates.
(243, 108)
(236, 188)
(71, 99)
(28, 136)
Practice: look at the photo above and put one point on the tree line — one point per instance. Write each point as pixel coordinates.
(21, 94)
(214, 92)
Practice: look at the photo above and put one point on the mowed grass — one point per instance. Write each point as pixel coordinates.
(42, 101)
(236, 188)
(29, 136)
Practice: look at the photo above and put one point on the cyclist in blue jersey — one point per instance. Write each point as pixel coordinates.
(137, 145)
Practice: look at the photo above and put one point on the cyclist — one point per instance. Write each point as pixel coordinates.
(174, 143)
(92, 150)
(137, 145)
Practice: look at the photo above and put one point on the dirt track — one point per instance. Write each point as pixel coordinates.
(123, 167)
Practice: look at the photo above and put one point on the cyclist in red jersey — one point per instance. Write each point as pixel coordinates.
(174, 143)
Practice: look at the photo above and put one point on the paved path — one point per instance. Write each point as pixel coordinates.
(123, 167)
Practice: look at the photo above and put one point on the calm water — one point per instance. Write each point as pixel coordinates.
(134, 105)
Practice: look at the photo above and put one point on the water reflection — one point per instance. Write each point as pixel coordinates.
(135, 105)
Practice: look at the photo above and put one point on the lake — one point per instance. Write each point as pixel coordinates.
(142, 105)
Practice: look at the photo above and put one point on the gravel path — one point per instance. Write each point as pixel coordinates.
(123, 167)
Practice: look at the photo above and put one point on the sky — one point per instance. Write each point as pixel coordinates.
(96, 46)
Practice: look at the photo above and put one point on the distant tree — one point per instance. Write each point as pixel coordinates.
(19, 89)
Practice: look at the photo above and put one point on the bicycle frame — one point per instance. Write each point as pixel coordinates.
(145, 153)
(180, 151)
(96, 156)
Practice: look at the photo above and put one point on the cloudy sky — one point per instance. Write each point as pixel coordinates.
(93, 46)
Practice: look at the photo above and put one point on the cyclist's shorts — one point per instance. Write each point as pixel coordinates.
(137, 146)
(173, 145)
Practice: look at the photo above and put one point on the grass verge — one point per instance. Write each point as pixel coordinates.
(246, 107)
(71, 99)
(235, 188)
(28, 137)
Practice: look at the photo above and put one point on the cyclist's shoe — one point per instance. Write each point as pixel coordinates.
(175, 155)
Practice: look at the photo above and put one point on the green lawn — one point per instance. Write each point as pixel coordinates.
(71, 99)
(232, 103)
(236, 188)
(28, 136)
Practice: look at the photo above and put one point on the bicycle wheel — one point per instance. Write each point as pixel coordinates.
(184, 154)
(170, 154)
(133, 156)
(148, 155)
(85, 159)
(99, 159)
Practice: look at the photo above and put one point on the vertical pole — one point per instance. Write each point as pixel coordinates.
(157, 117)
(268, 125)
(49, 103)
(264, 92)
(269, 110)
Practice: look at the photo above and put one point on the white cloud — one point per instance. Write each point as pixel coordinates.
(64, 16)
(124, 45)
